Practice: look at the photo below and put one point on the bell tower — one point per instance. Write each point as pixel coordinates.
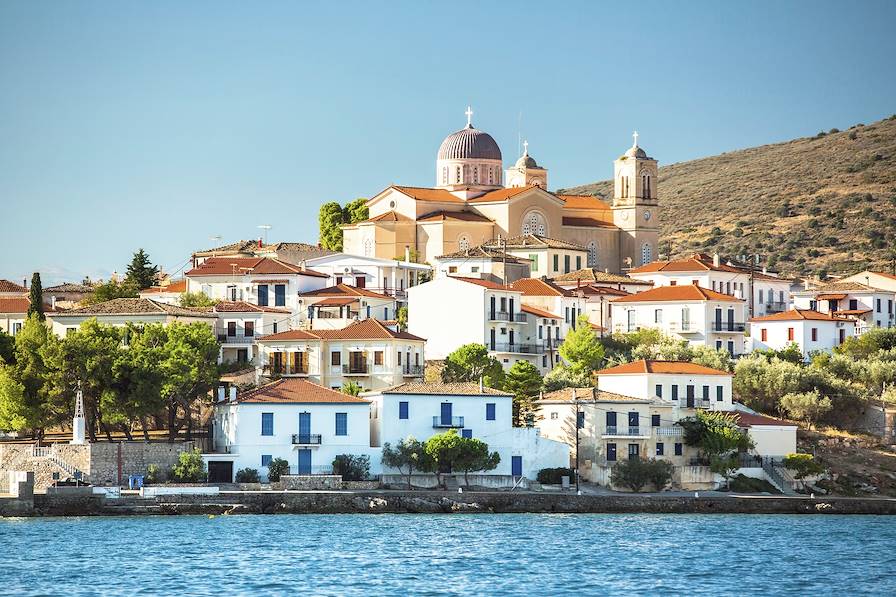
(635, 207)
(526, 172)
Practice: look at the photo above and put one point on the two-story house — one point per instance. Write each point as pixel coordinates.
(390, 277)
(688, 312)
(124, 311)
(810, 330)
(337, 306)
(483, 262)
(871, 307)
(240, 325)
(546, 256)
(366, 352)
(13, 313)
(543, 294)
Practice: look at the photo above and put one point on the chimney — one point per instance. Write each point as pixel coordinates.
(221, 393)
(233, 393)
(716, 262)
(53, 303)
(407, 253)
(259, 243)
(25, 283)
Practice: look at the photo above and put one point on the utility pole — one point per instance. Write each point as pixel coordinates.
(576, 402)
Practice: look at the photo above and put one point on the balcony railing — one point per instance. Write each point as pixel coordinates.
(506, 316)
(306, 439)
(668, 431)
(356, 369)
(775, 307)
(239, 339)
(447, 422)
(727, 326)
(627, 431)
(517, 348)
(412, 370)
(683, 327)
(269, 369)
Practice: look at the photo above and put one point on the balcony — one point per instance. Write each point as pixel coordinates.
(439, 422)
(240, 339)
(505, 316)
(668, 431)
(723, 327)
(517, 348)
(306, 439)
(614, 431)
(412, 371)
(356, 369)
(775, 307)
(277, 370)
(684, 327)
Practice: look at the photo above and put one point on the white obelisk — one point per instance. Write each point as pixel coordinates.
(78, 429)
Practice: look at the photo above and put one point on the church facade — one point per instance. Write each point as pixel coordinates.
(476, 201)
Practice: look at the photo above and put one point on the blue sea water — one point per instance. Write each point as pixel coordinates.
(508, 554)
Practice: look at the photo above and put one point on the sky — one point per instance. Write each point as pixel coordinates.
(162, 125)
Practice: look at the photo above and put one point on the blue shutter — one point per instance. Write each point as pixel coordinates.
(466, 433)
(654, 420)
(263, 295)
(659, 390)
(516, 466)
(341, 423)
(267, 423)
(490, 411)
(305, 427)
(266, 459)
(674, 392)
(402, 409)
(304, 462)
(445, 418)
(706, 392)
(580, 418)
(659, 449)
(719, 393)
(280, 295)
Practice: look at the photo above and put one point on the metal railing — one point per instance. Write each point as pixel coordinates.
(517, 348)
(728, 326)
(356, 369)
(239, 339)
(412, 370)
(683, 326)
(775, 306)
(506, 316)
(306, 439)
(627, 431)
(446, 422)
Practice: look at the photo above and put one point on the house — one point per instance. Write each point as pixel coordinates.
(810, 330)
(545, 327)
(168, 291)
(422, 410)
(688, 312)
(294, 419)
(546, 256)
(366, 352)
(455, 310)
(543, 294)
(240, 325)
(12, 290)
(13, 313)
(124, 311)
(337, 306)
(66, 296)
(774, 439)
(390, 277)
(882, 280)
(482, 262)
(685, 385)
(293, 253)
(264, 281)
(871, 307)
(595, 278)
(763, 292)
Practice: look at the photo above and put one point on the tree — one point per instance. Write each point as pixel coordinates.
(141, 273)
(582, 348)
(355, 211)
(443, 450)
(190, 467)
(719, 438)
(631, 473)
(36, 297)
(14, 413)
(724, 465)
(247, 475)
(471, 362)
(351, 388)
(524, 381)
(807, 407)
(189, 369)
(472, 455)
(562, 376)
(402, 317)
(330, 222)
(7, 348)
(803, 465)
(110, 290)
(276, 469)
(196, 300)
(35, 406)
(351, 467)
(408, 455)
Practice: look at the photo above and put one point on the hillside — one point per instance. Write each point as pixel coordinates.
(819, 204)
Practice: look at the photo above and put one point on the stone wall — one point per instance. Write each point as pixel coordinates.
(135, 459)
(427, 481)
(310, 482)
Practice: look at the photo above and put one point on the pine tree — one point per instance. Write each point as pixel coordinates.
(37, 297)
(330, 221)
(141, 272)
(582, 349)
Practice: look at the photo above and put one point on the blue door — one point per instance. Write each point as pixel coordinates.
(305, 428)
(516, 466)
(305, 462)
(446, 413)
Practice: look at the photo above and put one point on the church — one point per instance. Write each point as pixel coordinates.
(475, 201)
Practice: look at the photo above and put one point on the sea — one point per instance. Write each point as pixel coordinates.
(460, 554)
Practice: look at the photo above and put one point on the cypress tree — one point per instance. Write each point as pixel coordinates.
(37, 297)
(141, 272)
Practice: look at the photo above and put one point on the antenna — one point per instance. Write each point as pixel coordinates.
(265, 227)
(519, 132)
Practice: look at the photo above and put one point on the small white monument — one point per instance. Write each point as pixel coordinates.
(78, 429)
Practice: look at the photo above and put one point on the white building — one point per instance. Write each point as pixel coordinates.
(384, 276)
(366, 352)
(305, 424)
(546, 256)
(240, 325)
(689, 312)
(870, 307)
(685, 385)
(422, 410)
(810, 330)
(337, 306)
(124, 311)
(881, 280)
(482, 262)
(260, 281)
(763, 292)
(594, 277)
(773, 438)
(546, 295)
(13, 313)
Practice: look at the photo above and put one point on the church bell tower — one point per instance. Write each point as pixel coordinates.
(635, 208)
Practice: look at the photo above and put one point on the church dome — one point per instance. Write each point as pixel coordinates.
(469, 143)
(636, 152)
(526, 161)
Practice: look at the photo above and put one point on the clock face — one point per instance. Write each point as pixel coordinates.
(646, 216)
(624, 215)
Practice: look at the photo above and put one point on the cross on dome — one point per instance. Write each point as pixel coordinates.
(525, 148)
(635, 137)
(469, 114)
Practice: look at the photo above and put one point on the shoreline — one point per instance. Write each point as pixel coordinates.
(432, 502)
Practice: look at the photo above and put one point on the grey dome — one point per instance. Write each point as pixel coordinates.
(526, 161)
(636, 152)
(469, 143)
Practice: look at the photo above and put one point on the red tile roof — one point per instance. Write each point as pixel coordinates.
(461, 216)
(584, 202)
(366, 329)
(177, 286)
(344, 290)
(336, 301)
(291, 390)
(14, 305)
(538, 287)
(244, 307)
(539, 312)
(583, 222)
(7, 286)
(390, 216)
(699, 262)
(428, 194)
(290, 335)
(796, 315)
(225, 266)
(501, 194)
(590, 274)
(753, 420)
(651, 366)
(484, 283)
(682, 292)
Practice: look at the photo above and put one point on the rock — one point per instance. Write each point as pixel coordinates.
(451, 506)
(420, 505)
(372, 505)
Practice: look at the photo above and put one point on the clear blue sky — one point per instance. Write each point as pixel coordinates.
(157, 125)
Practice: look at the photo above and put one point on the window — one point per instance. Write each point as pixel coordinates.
(341, 423)
(659, 449)
(580, 420)
(402, 410)
(534, 259)
(466, 433)
(674, 392)
(566, 264)
(853, 304)
(592, 254)
(378, 357)
(790, 334)
(275, 327)
(678, 449)
(556, 263)
(263, 295)
(452, 269)
(659, 390)
(457, 175)
(231, 328)
(336, 358)
(444, 175)
(579, 266)
(654, 420)
(475, 175)
(464, 243)
(878, 305)
(534, 223)
(719, 391)
(368, 247)
(280, 295)
(544, 360)
(611, 452)
(718, 345)
(267, 423)
(815, 334)
(658, 316)
(763, 334)
(706, 393)
(554, 415)
(761, 297)
(731, 348)
(566, 315)
(490, 411)
(646, 254)
(249, 329)
(266, 459)
(399, 357)
(491, 176)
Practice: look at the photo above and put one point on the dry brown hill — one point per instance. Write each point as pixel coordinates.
(819, 204)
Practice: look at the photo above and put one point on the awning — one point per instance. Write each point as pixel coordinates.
(830, 297)
(335, 301)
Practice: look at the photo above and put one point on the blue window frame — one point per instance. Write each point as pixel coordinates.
(266, 459)
(706, 393)
(718, 393)
(341, 423)
(279, 295)
(489, 411)
(263, 295)
(267, 423)
(659, 390)
(611, 452)
(466, 433)
(678, 449)
(402, 409)
(659, 449)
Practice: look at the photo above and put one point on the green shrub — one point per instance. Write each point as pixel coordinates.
(351, 467)
(636, 473)
(276, 469)
(189, 468)
(247, 475)
(744, 484)
(154, 474)
(553, 476)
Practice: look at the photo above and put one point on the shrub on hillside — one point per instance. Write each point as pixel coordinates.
(189, 468)
(554, 476)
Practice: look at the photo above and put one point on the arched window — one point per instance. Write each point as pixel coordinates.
(463, 243)
(368, 247)
(645, 186)
(534, 223)
(444, 174)
(592, 254)
(457, 176)
(646, 255)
